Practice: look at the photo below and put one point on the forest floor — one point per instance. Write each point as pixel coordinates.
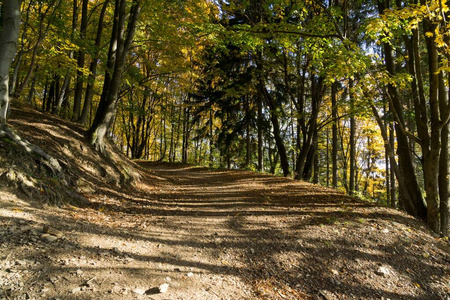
(186, 232)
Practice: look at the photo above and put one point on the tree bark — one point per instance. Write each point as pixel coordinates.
(9, 38)
(411, 196)
(431, 150)
(334, 138)
(41, 35)
(404, 153)
(121, 40)
(80, 63)
(260, 133)
(351, 187)
(444, 163)
(93, 68)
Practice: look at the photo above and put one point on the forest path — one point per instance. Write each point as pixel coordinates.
(216, 234)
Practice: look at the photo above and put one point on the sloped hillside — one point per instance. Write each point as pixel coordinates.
(82, 168)
(185, 232)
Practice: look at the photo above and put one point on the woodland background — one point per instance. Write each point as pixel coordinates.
(349, 94)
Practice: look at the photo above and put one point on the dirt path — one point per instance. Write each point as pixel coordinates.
(213, 234)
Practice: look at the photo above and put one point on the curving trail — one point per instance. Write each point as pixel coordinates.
(216, 234)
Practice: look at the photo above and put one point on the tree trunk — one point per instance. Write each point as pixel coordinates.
(80, 64)
(402, 183)
(334, 138)
(247, 133)
(273, 117)
(22, 51)
(386, 161)
(42, 31)
(9, 38)
(186, 135)
(316, 164)
(93, 67)
(351, 185)
(122, 39)
(260, 134)
(412, 196)
(305, 158)
(63, 96)
(444, 162)
(276, 130)
(403, 151)
(211, 138)
(393, 191)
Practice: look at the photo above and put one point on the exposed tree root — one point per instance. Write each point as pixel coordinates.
(52, 189)
(48, 160)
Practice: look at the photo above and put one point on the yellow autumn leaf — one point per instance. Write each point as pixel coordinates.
(428, 34)
(439, 40)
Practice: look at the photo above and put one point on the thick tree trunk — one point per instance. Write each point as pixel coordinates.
(108, 103)
(9, 38)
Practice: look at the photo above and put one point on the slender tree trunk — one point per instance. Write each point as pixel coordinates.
(403, 151)
(387, 167)
(31, 92)
(19, 55)
(260, 134)
(63, 96)
(186, 135)
(352, 158)
(211, 138)
(9, 38)
(42, 31)
(80, 63)
(93, 67)
(316, 164)
(402, 183)
(276, 131)
(444, 161)
(284, 161)
(334, 138)
(328, 157)
(411, 196)
(247, 133)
